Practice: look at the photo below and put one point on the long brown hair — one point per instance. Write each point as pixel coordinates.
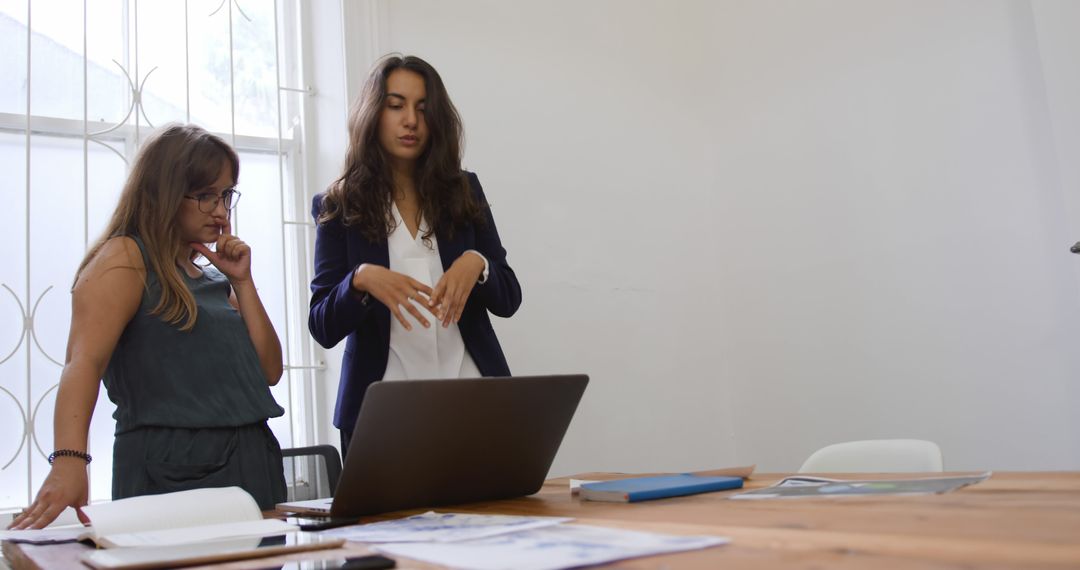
(362, 195)
(172, 163)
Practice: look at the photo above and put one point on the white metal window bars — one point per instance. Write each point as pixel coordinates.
(299, 408)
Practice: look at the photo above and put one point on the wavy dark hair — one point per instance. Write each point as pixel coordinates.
(362, 195)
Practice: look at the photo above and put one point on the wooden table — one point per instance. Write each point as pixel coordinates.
(1013, 520)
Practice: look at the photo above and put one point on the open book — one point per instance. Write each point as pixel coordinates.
(65, 528)
(183, 517)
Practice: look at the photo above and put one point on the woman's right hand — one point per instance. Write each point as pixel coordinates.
(66, 486)
(395, 290)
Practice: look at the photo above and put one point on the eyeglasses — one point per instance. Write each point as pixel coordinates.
(208, 201)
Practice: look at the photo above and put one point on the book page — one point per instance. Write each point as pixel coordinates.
(44, 535)
(197, 507)
(66, 528)
(197, 534)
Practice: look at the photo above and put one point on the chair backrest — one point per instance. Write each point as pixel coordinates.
(311, 472)
(876, 456)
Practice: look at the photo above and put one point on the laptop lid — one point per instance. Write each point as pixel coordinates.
(421, 443)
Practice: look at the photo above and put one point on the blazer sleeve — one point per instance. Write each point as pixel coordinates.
(336, 308)
(501, 293)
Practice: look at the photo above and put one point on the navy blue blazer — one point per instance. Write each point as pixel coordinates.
(338, 311)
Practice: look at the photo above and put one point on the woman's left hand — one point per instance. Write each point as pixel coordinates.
(232, 256)
(452, 291)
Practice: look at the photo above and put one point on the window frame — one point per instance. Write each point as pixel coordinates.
(299, 353)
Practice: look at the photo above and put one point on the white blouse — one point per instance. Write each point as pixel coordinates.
(422, 353)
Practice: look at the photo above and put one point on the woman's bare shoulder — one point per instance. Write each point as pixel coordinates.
(118, 258)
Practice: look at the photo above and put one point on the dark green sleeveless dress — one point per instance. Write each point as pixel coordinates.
(191, 407)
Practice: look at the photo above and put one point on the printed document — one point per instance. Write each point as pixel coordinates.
(550, 548)
(802, 486)
(441, 527)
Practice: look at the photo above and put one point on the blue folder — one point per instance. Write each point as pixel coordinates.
(646, 488)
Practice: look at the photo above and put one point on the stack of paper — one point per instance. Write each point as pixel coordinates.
(496, 542)
(803, 486)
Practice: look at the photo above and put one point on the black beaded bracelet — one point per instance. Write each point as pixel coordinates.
(70, 453)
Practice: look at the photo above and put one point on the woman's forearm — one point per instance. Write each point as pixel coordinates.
(75, 401)
(261, 330)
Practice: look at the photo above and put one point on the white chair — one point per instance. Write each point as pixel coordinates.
(876, 456)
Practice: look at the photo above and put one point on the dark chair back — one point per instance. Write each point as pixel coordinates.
(311, 472)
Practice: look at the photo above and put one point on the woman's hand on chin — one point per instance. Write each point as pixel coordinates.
(232, 256)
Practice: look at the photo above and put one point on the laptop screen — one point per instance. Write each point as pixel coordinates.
(420, 443)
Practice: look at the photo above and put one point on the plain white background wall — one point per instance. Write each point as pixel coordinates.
(325, 138)
(763, 227)
(1059, 46)
(888, 201)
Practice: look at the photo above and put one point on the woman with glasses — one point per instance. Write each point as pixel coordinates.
(408, 262)
(185, 350)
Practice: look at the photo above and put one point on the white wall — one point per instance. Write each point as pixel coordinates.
(889, 205)
(1059, 47)
(325, 138)
(762, 227)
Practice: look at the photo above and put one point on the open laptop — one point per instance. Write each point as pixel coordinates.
(425, 443)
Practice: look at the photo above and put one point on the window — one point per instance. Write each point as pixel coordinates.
(84, 84)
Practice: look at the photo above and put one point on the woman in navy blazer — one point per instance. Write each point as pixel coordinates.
(403, 172)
